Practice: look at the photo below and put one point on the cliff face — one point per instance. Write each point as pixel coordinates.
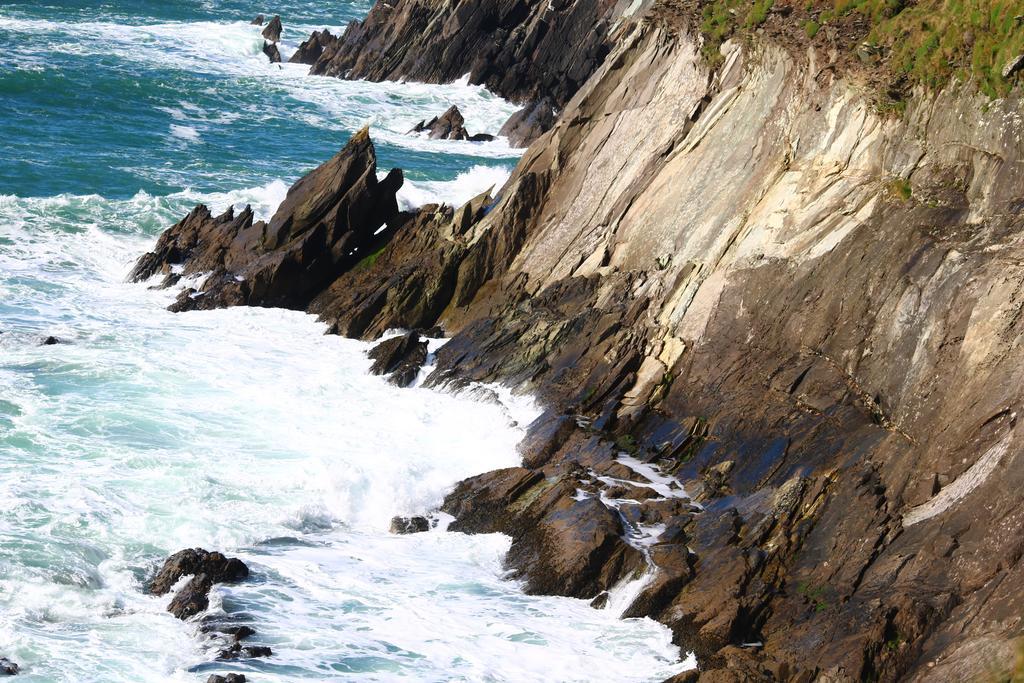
(727, 268)
(806, 313)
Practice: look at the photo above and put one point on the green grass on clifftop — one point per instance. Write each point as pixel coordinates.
(927, 42)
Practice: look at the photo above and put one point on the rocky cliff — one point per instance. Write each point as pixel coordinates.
(778, 334)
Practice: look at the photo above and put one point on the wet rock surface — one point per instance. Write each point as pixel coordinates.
(8, 668)
(409, 525)
(400, 358)
(196, 561)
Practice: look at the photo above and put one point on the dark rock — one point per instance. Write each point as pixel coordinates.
(400, 357)
(448, 126)
(409, 525)
(238, 651)
(8, 668)
(414, 279)
(229, 678)
(50, 341)
(195, 561)
(481, 137)
(258, 20)
(272, 32)
(309, 50)
(601, 601)
(323, 228)
(271, 51)
(529, 123)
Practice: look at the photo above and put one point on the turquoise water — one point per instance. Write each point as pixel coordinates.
(247, 431)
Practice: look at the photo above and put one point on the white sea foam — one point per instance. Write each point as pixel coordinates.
(187, 133)
(466, 185)
(250, 431)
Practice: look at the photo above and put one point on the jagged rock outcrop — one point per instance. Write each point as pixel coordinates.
(309, 50)
(450, 125)
(272, 31)
(258, 20)
(526, 51)
(328, 222)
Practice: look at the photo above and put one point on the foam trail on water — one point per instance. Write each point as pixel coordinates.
(466, 186)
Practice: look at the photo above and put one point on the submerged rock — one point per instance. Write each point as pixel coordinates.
(272, 31)
(400, 357)
(409, 525)
(51, 341)
(8, 668)
(271, 51)
(310, 49)
(257, 20)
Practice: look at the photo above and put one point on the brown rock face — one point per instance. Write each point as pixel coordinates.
(310, 49)
(272, 31)
(325, 226)
(561, 545)
(529, 123)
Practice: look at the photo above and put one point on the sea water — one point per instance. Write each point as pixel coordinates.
(244, 430)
